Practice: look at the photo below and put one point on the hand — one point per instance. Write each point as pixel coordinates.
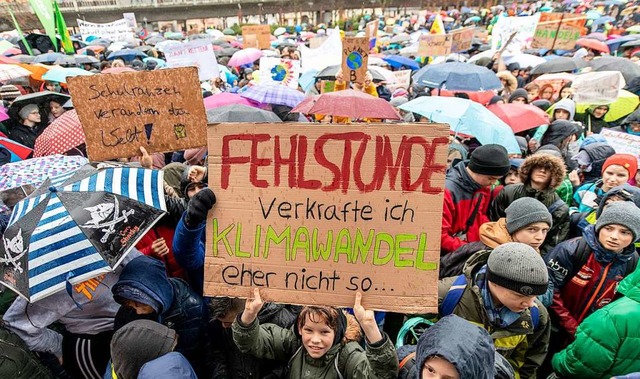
(196, 173)
(533, 145)
(252, 308)
(198, 207)
(367, 320)
(159, 247)
(574, 178)
(367, 79)
(145, 159)
(339, 76)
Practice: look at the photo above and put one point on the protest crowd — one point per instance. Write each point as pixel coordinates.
(105, 267)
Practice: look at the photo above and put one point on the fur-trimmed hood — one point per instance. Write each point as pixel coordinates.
(557, 167)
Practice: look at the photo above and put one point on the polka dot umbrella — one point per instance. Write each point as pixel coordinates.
(64, 134)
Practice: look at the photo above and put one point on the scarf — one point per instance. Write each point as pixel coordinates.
(498, 317)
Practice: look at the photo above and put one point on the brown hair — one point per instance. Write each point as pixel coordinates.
(328, 315)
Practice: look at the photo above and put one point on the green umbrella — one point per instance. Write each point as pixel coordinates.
(229, 32)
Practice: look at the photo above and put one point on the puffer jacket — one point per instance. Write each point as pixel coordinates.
(270, 341)
(461, 195)
(585, 198)
(582, 287)
(606, 342)
(524, 347)
(17, 361)
(598, 153)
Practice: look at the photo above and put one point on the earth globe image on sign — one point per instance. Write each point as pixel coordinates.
(354, 60)
(278, 73)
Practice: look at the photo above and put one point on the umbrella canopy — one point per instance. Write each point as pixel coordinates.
(85, 59)
(520, 117)
(382, 74)
(355, 105)
(273, 94)
(627, 68)
(402, 37)
(62, 135)
(229, 32)
(457, 76)
(561, 64)
(398, 61)
(40, 98)
(3, 113)
(8, 60)
(48, 58)
(154, 40)
(225, 98)
(633, 43)
(593, 44)
(22, 58)
(126, 54)
(67, 60)
(306, 105)
(35, 171)
(77, 227)
(599, 36)
(593, 15)
(99, 42)
(61, 74)
(117, 70)
(161, 46)
(524, 60)
(633, 29)
(626, 103)
(240, 113)
(245, 56)
(466, 117)
(18, 151)
(10, 71)
(557, 81)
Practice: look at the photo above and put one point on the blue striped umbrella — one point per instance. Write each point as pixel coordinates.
(78, 226)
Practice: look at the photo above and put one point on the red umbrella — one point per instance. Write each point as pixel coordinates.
(354, 104)
(8, 60)
(64, 134)
(12, 51)
(593, 44)
(481, 97)
(225, 98)
(520, 117)
(117, 70)
(15, 148)
(306, 105)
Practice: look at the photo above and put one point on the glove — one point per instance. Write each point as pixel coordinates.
(198, 207)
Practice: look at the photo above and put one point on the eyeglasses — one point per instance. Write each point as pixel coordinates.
(35, 112)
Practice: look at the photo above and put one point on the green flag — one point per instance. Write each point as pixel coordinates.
(15, 24)
(44, 10)
(67, 45)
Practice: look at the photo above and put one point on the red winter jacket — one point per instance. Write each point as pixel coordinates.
(461, 195)
(174, 270)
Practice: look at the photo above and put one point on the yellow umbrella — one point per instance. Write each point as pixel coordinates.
(626, 103)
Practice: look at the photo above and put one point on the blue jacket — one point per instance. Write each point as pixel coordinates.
(170, 366)
(188, 250)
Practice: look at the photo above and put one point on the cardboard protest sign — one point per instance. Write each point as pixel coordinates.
(461, 39)
(258, 36)
(622, 143)
(524, 27)
(316, 42)
(311, 215)
(434, 45)
(372, 32)
(597, 87)
(355, 58)
(131, 19)
(197, 53)
(327, 86)
(161, 110)
(279, 71)
(403, 79)
(114, 31)
(558, 31)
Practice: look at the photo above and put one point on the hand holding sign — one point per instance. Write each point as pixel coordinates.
(251, 308)
(367, 320)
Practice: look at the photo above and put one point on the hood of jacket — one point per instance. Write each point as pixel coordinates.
(145, 280)
(520, 92)
(172, 365)
(633, 117)
(468, 347)
(598, 153)
(556, 164)
(592, 108)
(567, 105)
(494, 234)
(631, 193)
(459, 177)
(558, 131)
(630, 286)
(603, 255)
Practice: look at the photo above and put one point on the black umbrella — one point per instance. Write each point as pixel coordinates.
(39, 98)
(154, 40)
(48, 58)
(631, 44)
(561, 64)
(240, 113)
(41, 42)
(198, 36)
(85, 59)
(226, 52)
(144, 48)
(220, 42)
(65, 61)
(627, 68)
(100, 42)
(329, 73)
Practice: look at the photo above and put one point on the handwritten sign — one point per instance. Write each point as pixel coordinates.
(524, 27)
(311, 215)
(403, 79)
(597, 87)
(258, 36)
(622, 143)
(372, 32)
(558, 31)
(161, 110)
(355, 58)
(114, 31)
(279, 71)
(461, 39)
(327, 86)
(198, 53)
(434, 45)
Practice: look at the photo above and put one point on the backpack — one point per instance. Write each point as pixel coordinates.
(583, 251)
(17, 361)
(407, 356)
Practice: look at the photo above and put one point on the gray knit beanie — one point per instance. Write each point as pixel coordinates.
(621, 213)
(526, 211)
(518, 267)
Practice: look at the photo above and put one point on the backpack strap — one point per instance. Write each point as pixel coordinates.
(535, 316)
(631, 264)
(453, 296)
(336, 363)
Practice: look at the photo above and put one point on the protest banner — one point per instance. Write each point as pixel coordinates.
(116, 31)
(372, 33)
(328, 54)
(258, 36)
(198, 53)
(355, 58)
(597, 87)
(312, 215)
(622, 143)
(434, 45)
(523, 27)
(161, 110)
(558, 31)
(403, 80)
(461, 39)
(131, 19)
(316, 42)
(279, 71)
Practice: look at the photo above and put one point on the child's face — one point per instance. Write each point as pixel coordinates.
(615, 237)
(512, 177)
(439, 368)
(615, 175)
(561, 114)
(317, 337)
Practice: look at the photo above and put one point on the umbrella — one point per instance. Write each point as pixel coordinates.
(5, 45)
(39, 98)
(48, 58)
(520, 117)
(306, 105)
(466, 117)
(627, 68)
(633, 29)
(18, 151)
(556, 80)
(77, 227)
(215, 33)
(8, 60)
(35, 171)
(472, 19)
(126, 54)
(593, 15)
(379, 72)
(279, 31)
(457, 76)
(524, 60)
(614, 44)
(67, 60)
(226, 52)
(10, 71)
(161, 63)
(593, 44)
(226, 98)
(62, 135)
(153, 41)
(560, 64)
(273, 94)
(245, 56)
(634, 43)
(355, 105)
(240, 113)
(61, 74)
(329, 73)
(601, 20)
(402, 37)
(3, 113)
(398, 61)
(229, 32)
(117, 70)
(599, 36)
(626, 103)
(85, 59)
(100, 42)
(23, 58)
(36, 70)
